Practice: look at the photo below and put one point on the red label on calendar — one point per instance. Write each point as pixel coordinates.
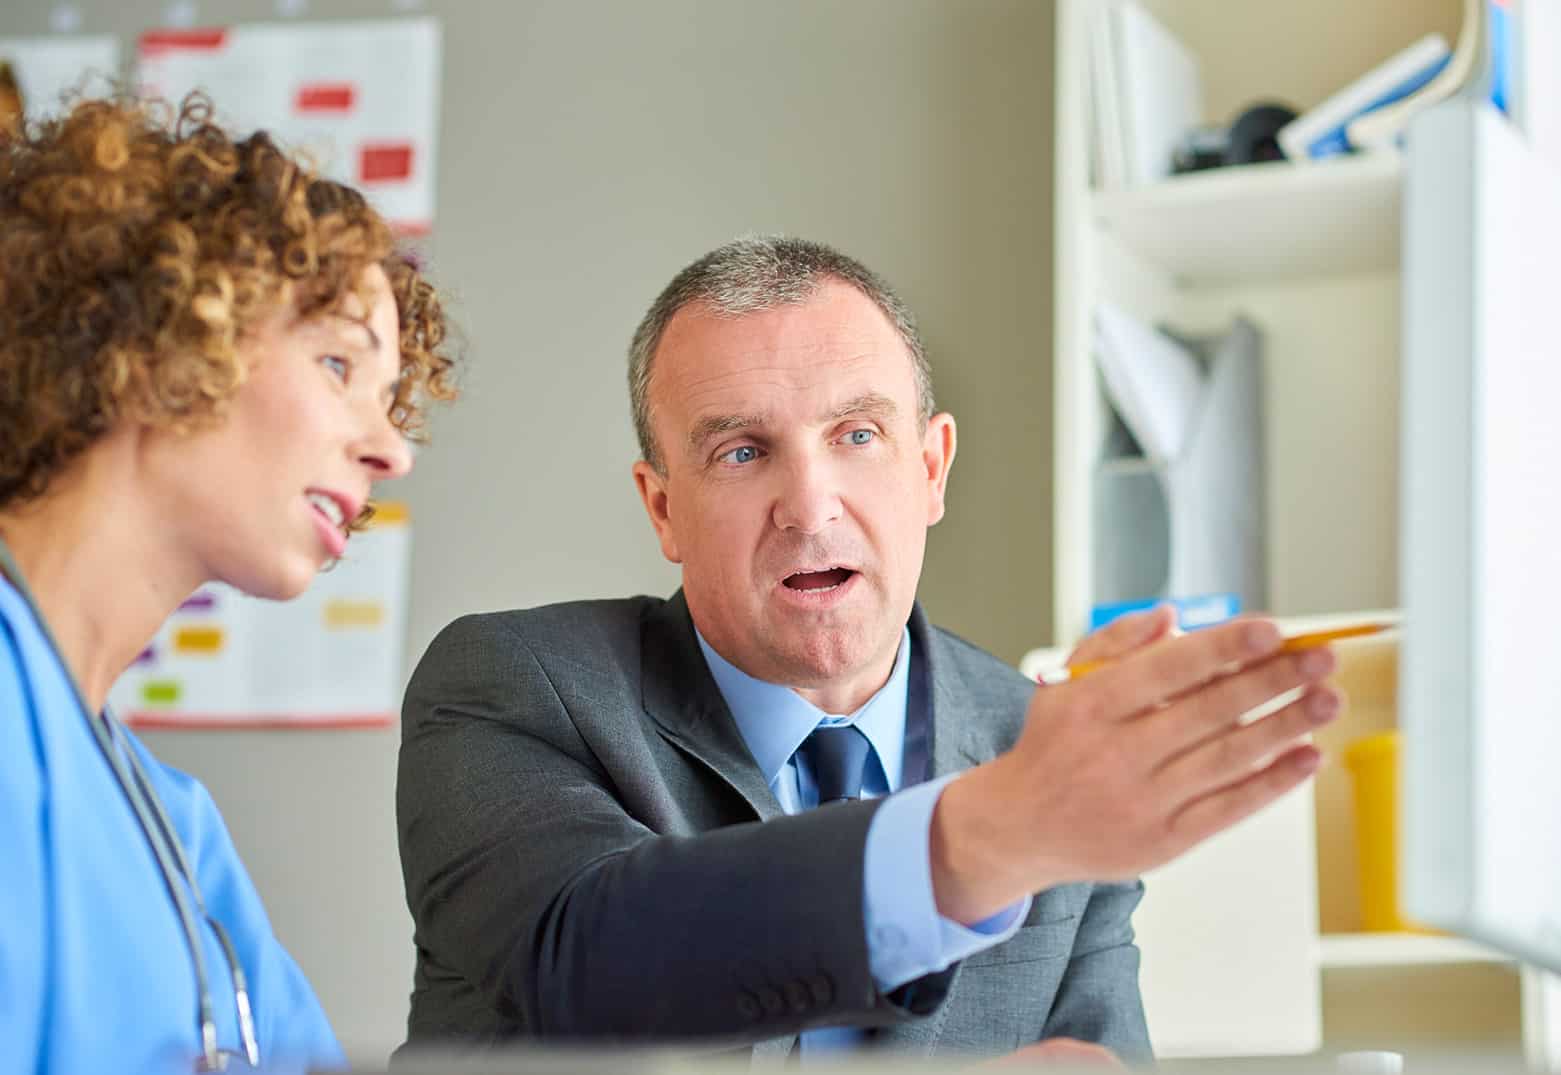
(160, 42)
(334, 97)
(381, 162)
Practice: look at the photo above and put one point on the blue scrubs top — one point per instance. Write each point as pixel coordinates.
(96, 973)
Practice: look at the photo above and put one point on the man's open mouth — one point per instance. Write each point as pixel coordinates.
(818, 581)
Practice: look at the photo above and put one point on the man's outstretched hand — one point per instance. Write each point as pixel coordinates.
(1124, 769)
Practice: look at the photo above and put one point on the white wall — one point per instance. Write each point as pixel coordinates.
(590, 149)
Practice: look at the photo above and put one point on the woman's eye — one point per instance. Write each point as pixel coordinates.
(745, 454)
(860, 436)
(337, 365)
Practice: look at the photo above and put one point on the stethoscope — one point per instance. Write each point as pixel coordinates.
(167, 849)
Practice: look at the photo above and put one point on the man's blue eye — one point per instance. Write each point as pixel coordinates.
(337, 365)
(860, 436)
(746, 454)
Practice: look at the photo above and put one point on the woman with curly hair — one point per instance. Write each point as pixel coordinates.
(208, 356)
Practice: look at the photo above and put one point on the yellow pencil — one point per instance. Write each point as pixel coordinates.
(1292, 644)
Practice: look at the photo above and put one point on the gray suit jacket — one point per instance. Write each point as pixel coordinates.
(591, 853)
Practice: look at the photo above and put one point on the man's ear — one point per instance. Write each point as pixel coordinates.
(653, 494)
(937, 455)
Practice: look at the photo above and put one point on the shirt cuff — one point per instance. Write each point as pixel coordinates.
(906, 937)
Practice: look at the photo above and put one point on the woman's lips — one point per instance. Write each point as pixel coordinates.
(331, 535)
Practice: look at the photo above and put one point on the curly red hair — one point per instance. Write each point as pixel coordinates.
(138, 244)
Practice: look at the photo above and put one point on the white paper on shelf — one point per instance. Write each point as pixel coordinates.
(1154, 382)
(1214, 493)
(1160, 88)
(1538, 79)
(1108, 149)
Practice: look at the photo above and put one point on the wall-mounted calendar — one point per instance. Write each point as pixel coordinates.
(360, 97)
(331, 657)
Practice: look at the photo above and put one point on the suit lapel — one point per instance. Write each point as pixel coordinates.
(681, 696)
(959, 738)
(962, 734)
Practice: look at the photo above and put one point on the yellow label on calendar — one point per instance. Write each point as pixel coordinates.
(198, 640)
(347, 615)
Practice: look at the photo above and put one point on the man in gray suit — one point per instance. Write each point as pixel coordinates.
(607, 809)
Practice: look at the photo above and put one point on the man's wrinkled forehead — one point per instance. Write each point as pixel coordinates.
(833, 330)
(719, 387)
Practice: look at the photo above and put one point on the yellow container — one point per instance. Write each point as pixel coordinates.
(1373, 766)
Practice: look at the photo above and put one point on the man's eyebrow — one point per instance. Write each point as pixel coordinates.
(869, 403)
(872, 403)
(717, 424)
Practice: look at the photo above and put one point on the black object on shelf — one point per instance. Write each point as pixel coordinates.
(1251, 138)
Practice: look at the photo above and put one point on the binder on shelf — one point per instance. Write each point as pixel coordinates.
(1108, 154)
(1500, 35)
(1190, 524)
(1146, 93)
(1162, 92)
(1384, 125)
(1153, 381)
(1321, 132)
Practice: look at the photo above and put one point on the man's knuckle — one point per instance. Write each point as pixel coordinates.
(1228, 647)
(1281, 778)
(1226, 754)
(1291, 724)
(1280, 676)
(1088, 708)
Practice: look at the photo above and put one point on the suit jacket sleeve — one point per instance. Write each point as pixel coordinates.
(525, 874)
(1098, 999)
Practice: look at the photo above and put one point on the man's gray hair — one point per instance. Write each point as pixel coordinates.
(753, 274)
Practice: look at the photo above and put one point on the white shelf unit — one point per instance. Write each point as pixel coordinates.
(1271, 221)
(1252, 943)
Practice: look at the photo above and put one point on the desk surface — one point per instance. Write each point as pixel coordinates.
(666, 1062)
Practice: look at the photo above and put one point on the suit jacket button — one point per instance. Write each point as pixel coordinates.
(773, 1002)
(823, 989)
(798, 996)
(748, 1006)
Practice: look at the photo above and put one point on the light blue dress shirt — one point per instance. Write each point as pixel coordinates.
(96, 973)
(906, 937)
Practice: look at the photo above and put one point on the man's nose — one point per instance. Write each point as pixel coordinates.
(809, 498)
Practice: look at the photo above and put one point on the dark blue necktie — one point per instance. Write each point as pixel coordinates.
(838, 757)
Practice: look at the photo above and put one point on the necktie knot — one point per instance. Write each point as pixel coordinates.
(838, 756)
